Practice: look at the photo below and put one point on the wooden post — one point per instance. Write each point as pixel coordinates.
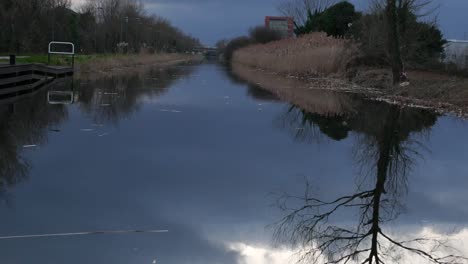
(12, 59)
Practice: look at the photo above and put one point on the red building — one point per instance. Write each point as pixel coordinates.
(285, 25)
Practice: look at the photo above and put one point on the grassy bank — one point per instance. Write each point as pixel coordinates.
(318, 62)
(58, 60)
(105, 66)
(108, 64)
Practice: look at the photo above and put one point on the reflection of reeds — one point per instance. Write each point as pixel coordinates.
(311, 54)
(306, 95)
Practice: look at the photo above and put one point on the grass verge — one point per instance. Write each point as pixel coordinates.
(93, 66)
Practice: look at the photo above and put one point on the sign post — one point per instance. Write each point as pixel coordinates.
(72, 52)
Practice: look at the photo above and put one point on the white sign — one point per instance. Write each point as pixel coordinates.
(61, 52)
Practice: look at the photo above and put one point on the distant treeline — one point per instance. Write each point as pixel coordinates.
(98, 26)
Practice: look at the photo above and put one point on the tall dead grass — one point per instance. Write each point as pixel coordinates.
(118, 63)
(312, 54)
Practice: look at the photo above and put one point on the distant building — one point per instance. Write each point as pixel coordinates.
(284, 25)
(456, 52)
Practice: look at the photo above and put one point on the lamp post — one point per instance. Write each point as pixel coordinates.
(121, 27)
(98, 21)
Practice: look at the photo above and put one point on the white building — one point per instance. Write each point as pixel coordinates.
(456, 52)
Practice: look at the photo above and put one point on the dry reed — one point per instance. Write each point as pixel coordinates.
(312, 54)
(118, 63)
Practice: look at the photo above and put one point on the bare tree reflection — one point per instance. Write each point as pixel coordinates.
(387, 148)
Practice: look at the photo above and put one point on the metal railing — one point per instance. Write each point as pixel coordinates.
(72, 52)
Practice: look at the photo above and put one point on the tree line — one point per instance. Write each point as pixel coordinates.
(98, 26)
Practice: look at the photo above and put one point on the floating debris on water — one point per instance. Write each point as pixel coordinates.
(172, 111)
(87, 129)
(54, 130)
(110, 93)
(29, 146)
(112, 232)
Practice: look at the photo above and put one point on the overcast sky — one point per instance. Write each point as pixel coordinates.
(211, 20)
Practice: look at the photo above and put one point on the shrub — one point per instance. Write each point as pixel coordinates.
(234, 45)
(264, 35)
(335, 20)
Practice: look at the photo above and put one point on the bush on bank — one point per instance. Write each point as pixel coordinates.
(257, 35)
(234, 45)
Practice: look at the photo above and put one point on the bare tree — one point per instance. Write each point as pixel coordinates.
(397, 14)
(312, 224)
(421, 8)
(394, 40)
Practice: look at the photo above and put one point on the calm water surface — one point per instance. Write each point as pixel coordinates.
(194, 150)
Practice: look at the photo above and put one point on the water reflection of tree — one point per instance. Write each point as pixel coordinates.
(386, 150)
(109, 100)
(25, 122)
(306, 126)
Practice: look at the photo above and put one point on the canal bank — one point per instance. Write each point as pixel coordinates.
(102, 65)
(316, 57)
(439, 92)
(125, 64)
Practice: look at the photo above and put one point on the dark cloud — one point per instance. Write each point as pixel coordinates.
(212, 20)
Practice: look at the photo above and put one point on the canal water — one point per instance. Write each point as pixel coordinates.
(198, 152)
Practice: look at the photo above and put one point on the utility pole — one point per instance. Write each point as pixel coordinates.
(121, 30)
(99, 15)
(53, 24)
(126, 29)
